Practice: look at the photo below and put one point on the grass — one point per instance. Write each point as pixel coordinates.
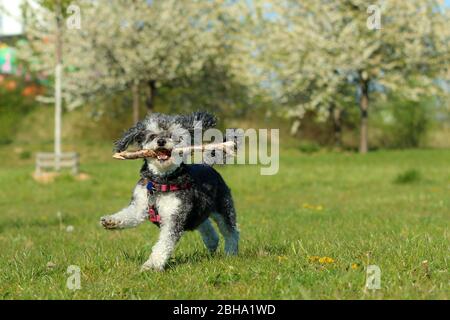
(408, 176)
(308, 232)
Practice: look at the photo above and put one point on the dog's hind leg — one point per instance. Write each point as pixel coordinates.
(209, 235)
(226, 221)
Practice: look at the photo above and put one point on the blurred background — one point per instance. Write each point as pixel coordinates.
(315, 69)
(360, 91)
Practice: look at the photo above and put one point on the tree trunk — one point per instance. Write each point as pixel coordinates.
(58, 82)
(135, 91)
(336, 114)
(151, 96)
(364, 107)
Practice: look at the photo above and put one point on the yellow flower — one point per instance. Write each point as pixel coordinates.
(326, 260)
(354, 266)
(321, 260)
(312, 207)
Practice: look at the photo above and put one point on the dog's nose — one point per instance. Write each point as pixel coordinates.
(161, 142)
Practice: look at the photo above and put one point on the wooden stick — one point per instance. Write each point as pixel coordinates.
(227, 147)
(125, 155)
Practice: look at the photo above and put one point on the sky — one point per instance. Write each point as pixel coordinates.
(8, 25)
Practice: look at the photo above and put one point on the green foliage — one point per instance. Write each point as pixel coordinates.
(405, 123)
(52, 4)
(309, 147)
(13, 107)
(408, 176)
(24, 155)
(213, 88)
(105, 118)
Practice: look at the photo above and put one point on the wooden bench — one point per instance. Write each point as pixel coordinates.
(47, 160)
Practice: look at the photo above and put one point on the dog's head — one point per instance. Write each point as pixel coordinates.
(162, 133)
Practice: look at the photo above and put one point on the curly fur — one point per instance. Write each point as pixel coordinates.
(157, 121)
(182, 210)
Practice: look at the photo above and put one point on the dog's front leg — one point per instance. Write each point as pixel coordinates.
(132, 215)
(163, 248)
(172, 227)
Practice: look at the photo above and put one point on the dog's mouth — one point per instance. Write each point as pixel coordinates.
(163, 154)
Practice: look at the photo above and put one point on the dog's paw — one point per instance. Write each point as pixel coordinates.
(152, 265)
(109, 222)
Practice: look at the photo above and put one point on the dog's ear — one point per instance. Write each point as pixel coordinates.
(197, 120)
(129, 137)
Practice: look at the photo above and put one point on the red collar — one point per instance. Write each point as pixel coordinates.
(153, 186)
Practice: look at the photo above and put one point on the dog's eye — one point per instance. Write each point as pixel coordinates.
(140, 138)
(152, 136)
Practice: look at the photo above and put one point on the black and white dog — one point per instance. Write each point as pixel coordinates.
(174, 195)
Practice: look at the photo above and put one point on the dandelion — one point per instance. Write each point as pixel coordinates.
(321, 260)
(312, 207)
(326, 260)
(354, 266)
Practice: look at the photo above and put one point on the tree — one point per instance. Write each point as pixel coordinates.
(315, 47)
(55, 12)
(139, 45)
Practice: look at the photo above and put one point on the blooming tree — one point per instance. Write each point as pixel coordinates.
(314, 48)
(134, 44)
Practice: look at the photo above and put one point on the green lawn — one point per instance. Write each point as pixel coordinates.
(342, 206)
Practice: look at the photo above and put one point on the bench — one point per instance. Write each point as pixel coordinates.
(47, 160)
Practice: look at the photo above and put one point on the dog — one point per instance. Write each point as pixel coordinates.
(175, 196)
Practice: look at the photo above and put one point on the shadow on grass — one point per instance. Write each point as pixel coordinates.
(250, 253)
(196, 257)
(139, 256)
